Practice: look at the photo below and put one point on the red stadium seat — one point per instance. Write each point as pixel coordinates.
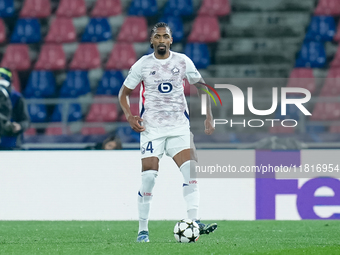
(337, 35)
(215, 7)
(134, 107)
(93, 131)
(36, 9)
(205, 29)
(134, 29)
(102, 112)
(328, 7)
(86, 57)
(334, 129)
(16, 81)
(336, 60)
(74, 8)
(56, 131)
(331, 86)
(16, 57)
(278, 129)
(302, 78)
(30, 131)
(2, 31)
(52, 57)
(106, 8)
(122, 56)
(61, 31)
(136, 91)
(326, 111)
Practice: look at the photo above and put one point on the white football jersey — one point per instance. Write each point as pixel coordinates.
(162, 99)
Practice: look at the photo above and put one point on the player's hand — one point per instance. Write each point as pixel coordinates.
(134, 123)
(209, 127)
(16, 127)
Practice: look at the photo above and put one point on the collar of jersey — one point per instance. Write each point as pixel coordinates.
(163, 60)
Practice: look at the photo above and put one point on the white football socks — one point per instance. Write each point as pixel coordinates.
(145, 197)
(190, 190)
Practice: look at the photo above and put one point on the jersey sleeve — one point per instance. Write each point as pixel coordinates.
(134, 76)
(191, 73)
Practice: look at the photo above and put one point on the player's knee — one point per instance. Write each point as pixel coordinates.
(149, 177)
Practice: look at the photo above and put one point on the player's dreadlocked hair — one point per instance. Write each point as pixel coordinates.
(159, 24)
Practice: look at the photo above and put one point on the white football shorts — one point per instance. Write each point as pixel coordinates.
(155, 142)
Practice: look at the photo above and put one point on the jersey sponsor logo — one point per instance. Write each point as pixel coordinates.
(165, 87)
(175, 71)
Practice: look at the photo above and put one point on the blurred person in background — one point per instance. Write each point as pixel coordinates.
(110, 143)
(18, 119)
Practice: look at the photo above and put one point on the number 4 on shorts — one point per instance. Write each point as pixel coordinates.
(149, 147)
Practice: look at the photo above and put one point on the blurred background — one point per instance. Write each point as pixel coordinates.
(69, 59)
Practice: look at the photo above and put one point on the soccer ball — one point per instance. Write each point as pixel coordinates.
(186, 231)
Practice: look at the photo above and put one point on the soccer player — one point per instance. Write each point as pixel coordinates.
(164, 121)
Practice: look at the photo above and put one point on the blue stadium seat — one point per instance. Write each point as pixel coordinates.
(26, 31)
(176, 25)
(127, 135)
(321, 28)
(37, 112)
(143, 8)
(292, 112)
(312, 55)
(6, 8)
(74, 113)
(76, 84)
(179, 7)
(199, 54)
(40, 84)
(97, 30)
(110, 83)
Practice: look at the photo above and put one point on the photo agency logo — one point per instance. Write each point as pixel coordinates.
(239, 105)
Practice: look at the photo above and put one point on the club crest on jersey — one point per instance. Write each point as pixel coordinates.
(152, 73)
(175, 71)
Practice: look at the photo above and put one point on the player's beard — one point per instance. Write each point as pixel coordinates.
(161, 51)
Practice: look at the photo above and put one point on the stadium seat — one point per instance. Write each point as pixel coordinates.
(321, 28)
(97, 30)
(176, 25)
(143, 8)
(326, 111)
(6, 8)
(205, 29)
(110, 83)
(199, 54)
(102, 112)
(2, 31)
(37, 112)
(74, 8)
(106, 8)
(302, 78)
(86, 57)
(76, 84)
(36, 9)
(312, 55)
(127, 135)
(50, 130)
(74, 113)
(122, 56)
(215, 8)
(337, 34)
(179, 7)
(334, 128)
(134, 29)
(278, 129)
(16, 57)
(292, 112)
(52, 57)
(26, 31)
(336, 61)
(16, 81)
(331, 86)
(328, 7)
(40, 84)
(61, 30)
(93, 131)
(30, 131)
(136, 92)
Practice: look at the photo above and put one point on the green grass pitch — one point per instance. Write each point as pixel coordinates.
(118, 237)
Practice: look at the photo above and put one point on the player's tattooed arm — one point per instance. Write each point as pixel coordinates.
(208, 123)
(134, 121)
